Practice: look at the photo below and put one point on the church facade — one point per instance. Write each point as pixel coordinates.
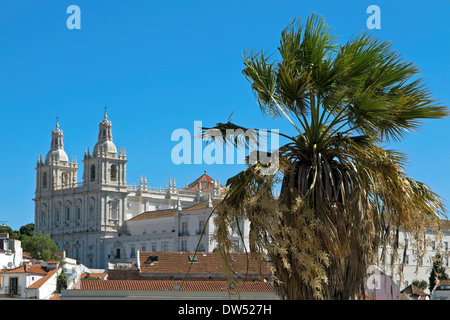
(87, 218)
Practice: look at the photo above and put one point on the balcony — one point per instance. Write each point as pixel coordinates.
(199, 232)
(183, 233)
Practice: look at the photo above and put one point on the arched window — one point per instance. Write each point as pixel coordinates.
(44, 180)
(92, 173)
(65, 180)
(113, 172)
(57, 215)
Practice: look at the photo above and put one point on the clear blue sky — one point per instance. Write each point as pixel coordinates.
(159, 66)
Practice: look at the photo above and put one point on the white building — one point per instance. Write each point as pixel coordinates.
(87, 219)
(415, 256)
(32, 280)
(10, 252)
(180, 229)
(441, 291)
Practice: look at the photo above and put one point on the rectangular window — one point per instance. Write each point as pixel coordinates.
(201, 226)
(133, 252)
(165, 246)
(184, 229)
(78, 213)
(183, 245)
(153, 246)
(67, 213)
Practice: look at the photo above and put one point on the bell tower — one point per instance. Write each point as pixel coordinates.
(56, 172)
(54, 175)
(104, 166)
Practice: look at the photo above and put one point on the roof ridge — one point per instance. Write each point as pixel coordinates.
(44, 279)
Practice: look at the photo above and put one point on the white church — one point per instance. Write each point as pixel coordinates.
(102, 219)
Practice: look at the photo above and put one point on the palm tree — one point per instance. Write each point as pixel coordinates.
(342, 192)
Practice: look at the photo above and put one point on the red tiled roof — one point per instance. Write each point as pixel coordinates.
(171, 212)
(94, 275)
(27, 268)
(203, 178)
(178, 262)
(170, 285)
(43, 280)
(442, 283)
(413, 290)
(202, 205)
(154, 214)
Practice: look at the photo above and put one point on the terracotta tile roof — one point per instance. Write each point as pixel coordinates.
(26, 255)
(55, 297)
(170, 285)
(413, 290)
(154, 214)
(206, 263)
(445, 283)
(202, 205)
(171, 212)
(203, 178)
(94, 275)
(27, 268)
(43, 280)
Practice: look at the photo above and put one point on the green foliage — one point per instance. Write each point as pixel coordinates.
(421, 284)
(12, 234)
(89, 277)
(26, 230)
(61, 281)
(40, 246)
(342, 191)
(437, 272)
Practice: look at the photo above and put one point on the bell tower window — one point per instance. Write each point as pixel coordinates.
(44, 180)
(64, 180)
(113, 172)
(92, 173)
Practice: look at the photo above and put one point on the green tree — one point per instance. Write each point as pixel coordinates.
(61, 281)
(421, 284)
(12, 233)
(437, 272)
(27, 230)
(40, 246)
(341, 188)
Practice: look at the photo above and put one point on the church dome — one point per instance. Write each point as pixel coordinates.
(58, 155)
(105, 146)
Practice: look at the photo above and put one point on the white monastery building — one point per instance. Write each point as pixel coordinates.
(102, 219)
